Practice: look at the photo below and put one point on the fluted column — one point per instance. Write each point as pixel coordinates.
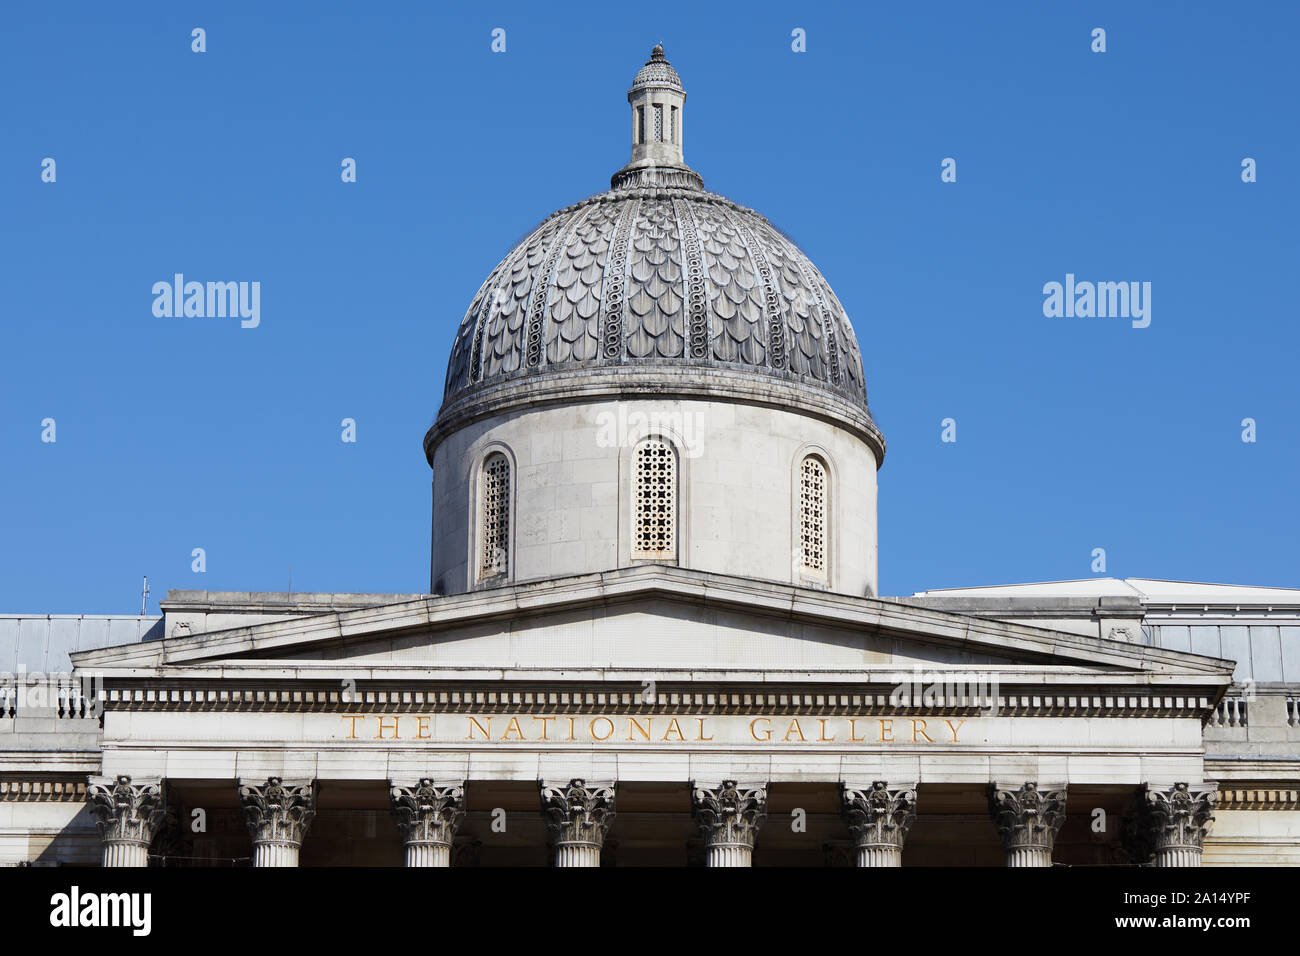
(128, 813)
(728, 817)
(1028, 820)
(578, 815)
(879, 818)
(1177, 820)
(428, 815)
(278, 815)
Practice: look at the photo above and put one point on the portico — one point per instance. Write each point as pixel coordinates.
(846, 730)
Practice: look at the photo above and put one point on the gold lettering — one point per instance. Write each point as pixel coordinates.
(794, 729)
(544, 720)
(954, 729)
(643, 731)
(571, 737)
(886, 731)
(701, 734)
(767, 732)
(824, 738)
(853, 731)
(674, 729)
(422, 728)
(352, 732)
(922, 732)
(592, 729)
(473, 722)
(382, 728)
(513, 725)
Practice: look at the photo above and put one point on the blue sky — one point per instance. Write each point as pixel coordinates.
(1072, 434)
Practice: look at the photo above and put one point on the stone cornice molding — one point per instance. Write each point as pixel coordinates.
(427, 812)
(700, 590)
(1258, 798)
(533, 389)
(730, 813)
(577, 813)
(42, 791)
(878, 815)
(126, 810)
(277, 812)
(1027, 817)
(615, 691)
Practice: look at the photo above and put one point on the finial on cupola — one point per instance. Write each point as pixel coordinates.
(657, 101)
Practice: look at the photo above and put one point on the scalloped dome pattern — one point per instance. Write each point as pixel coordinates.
(651, 276)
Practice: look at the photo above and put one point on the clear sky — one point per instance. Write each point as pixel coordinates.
(1072, 433)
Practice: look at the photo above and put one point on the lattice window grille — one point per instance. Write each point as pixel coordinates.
(655, 532)
(659, 123)
(494, 556)
(812, 516)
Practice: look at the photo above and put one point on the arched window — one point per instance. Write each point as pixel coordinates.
(654, 524)
(812, 517)
(494, 517)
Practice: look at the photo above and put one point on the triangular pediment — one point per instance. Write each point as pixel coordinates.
(646, 619)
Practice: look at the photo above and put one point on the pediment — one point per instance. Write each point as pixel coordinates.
(646, 619)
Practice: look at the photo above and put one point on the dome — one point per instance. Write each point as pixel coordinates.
(659, 285)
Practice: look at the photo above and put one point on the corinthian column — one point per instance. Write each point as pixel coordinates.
(128, 815)
(578, 816)
(428, 815)
(879, 818)
(278, 815)
(1028, 820)
(1177, 820)
(728, 817)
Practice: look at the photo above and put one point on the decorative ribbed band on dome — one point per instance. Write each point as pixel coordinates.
(651, 177)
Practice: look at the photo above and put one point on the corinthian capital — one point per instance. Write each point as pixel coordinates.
(878, 815)
(578, 812)
(729, 814)
(428, 812)
(1179, 817)
(1027, 817)
(278, 812)
(126, 811)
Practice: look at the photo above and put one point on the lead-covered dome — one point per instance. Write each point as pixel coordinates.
(659, 285)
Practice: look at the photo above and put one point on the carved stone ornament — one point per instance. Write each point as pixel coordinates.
(729, 814)
(578, 813)
(1180, 816)
(126, 811)
(278, 812)
(1027, 817)
(427, 812)
(879, 816)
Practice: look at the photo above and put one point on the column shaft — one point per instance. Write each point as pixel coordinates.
(730, 854)
(879, 854)
(428, 854)
(577, 854)
(275, 854)
(125, 853)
